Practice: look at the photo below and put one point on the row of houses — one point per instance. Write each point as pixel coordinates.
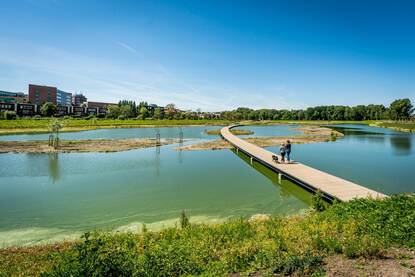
(40, 94)
(67, 103)
(26, 109)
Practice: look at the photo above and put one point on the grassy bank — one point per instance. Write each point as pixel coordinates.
(32, 126)
(71, 125)
(399, 126)
(283, 245)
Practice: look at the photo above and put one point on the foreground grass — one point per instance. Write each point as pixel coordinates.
(281, 245)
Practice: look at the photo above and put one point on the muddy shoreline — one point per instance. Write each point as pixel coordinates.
(80, 146)
(311, 134)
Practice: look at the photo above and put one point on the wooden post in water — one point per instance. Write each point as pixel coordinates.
(56, 143)
(181, 135)
(50, 141)
(158, 141)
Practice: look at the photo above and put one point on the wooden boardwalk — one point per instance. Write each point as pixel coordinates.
(311, 179)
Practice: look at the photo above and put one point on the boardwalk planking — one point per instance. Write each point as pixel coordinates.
(310, 178)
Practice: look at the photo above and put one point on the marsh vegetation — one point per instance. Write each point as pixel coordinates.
(301, 245)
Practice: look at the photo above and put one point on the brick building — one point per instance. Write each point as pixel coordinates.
(41, 94)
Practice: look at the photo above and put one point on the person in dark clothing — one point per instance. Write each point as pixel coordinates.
(288, 150)
(282, 152)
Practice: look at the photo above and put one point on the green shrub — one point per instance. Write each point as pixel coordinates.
(317, 202)
(284, 245)
(99, 255)
(48, 109)
(9, 115)
(184, 220)
(304, 265)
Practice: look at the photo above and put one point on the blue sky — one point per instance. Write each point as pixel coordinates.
(212, 55)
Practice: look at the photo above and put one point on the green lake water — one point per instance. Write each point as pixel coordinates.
(47, 197)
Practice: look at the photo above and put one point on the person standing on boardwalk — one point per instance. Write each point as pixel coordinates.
(288, 150)
(282, 152)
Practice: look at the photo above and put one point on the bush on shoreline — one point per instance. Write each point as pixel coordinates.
(283, 245)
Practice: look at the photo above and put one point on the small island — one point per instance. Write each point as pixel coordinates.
(238, 132)
(73, 146)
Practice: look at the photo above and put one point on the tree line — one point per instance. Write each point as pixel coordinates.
(400, 109)
(128, 109)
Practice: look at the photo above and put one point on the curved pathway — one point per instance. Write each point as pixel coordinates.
(309, 178)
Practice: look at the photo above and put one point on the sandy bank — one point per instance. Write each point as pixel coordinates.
(233, 131)
(260, 141)
(70, 146)
(312, 134)
(317, 130)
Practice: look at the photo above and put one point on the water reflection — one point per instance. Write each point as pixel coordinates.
(54, 172)
(287, 188)
(401, 145)
(362, 131)
(360, 134)
(157, 160)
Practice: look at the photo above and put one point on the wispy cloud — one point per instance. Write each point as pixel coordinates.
(102, 80)
(129, 48)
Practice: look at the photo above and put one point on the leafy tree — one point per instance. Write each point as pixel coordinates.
(128, 108)
(48, 109)
(401, 109)
(126, 111)
(144, 113)
(113, 111)
(170, 111)
(158, 114)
